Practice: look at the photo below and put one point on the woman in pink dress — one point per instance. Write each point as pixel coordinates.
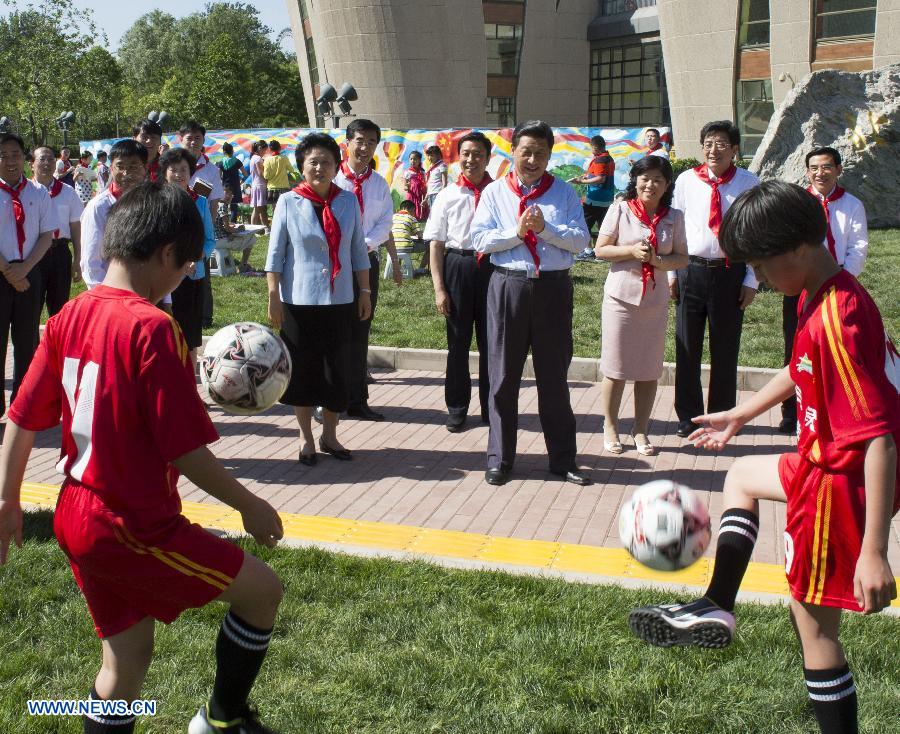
(259, 196)
(641, 238)
(415, 185)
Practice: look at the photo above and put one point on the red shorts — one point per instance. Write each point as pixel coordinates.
(826, 515)
(126, 574)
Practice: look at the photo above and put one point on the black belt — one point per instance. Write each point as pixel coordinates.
(716, 262)
(531, 274)
(464, 253)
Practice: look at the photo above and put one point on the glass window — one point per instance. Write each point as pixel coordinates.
(845, 18)
(754, 26)
(633, 91)
(504, 43)
(753, 110)
(614, 7)
(500, 111)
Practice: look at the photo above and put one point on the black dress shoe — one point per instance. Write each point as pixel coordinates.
(339, 454)
(455, 422)
(309, 459)
(364, 413)
(574, 476)
(370, 380)
(496, 476)
(485, 419)
(686, 428)
(318, 415)
(788, 426)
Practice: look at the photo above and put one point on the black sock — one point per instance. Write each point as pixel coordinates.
(240, 651)
(737, 536)
(833, 698)
(106, 723)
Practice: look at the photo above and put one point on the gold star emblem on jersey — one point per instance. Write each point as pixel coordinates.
(804, 364)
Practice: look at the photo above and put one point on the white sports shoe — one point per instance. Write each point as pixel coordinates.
(700, 622)
(248, 724)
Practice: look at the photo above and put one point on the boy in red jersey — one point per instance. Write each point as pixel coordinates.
(117, 370)
(841, 487)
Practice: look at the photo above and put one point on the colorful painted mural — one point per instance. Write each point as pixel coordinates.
(571, 152)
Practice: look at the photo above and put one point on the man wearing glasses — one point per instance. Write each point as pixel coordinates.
(709, 289)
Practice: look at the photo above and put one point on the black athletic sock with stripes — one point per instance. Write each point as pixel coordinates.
(833, 698)
(240, 651)
(737, 536)
(106, 723)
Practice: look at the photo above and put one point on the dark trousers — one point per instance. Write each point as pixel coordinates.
(56, 276)
(789, 327)
(359, 339)
(206, 296)
(466, 282)
(20, 316)
(707, 294)
(594, 214)
(528, 313)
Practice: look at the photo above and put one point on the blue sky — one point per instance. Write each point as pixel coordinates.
(115, 17)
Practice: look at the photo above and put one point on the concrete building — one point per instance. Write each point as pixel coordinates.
(610, 63)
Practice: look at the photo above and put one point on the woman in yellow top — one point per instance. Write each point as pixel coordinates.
(276, 172)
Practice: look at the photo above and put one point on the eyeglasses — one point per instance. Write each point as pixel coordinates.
(717, 144)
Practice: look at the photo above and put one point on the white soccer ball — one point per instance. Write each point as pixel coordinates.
(664, 525)
(245, 368)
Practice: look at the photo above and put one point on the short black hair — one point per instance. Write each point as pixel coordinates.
(652, 130)
(476, 136)
(771, 219)
(533, 129)
(598, 141)
(363, 126)
(101, 154)
(721, 126)
(407, 206)
(316, 140)
(147, 126)
(191, 126)
(417, 153)
(433, 151)
(48, 147)
(652, 163)
(258, 146)
(174, 156)
(12, 138)
(150, 216)
(227, 149)
(128, 148)
(274, 145)
(825, 150)
(85, 154)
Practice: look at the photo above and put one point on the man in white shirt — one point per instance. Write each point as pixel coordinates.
(532, 225)
(461, 277)
(27, 221)
(847, 239)
(57, 270)
(709, 289)
(654, 143)
(374, 196)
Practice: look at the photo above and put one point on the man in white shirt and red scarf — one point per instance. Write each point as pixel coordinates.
(461, 277)
(27, 222)
(846, 238)
(532, 225)
(709, 289)
(357, 176)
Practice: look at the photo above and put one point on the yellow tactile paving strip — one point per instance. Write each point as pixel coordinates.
(763, 578)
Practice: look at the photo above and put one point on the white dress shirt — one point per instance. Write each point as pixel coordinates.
(847, 216)
(692, 197)
(40, 217)
(450, 220)
(209, 173)
(93, 222)
(68, 208)
(378, 207)
(661, 152)
(496, 221)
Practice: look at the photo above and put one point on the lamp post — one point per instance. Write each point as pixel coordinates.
(63, 122)
(329, 96)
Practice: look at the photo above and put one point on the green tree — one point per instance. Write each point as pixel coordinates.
(220, 93)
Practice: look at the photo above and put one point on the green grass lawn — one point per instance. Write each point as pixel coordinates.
(406, 316)
(368, 646)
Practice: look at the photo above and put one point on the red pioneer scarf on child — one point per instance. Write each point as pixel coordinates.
(357, 182)
(18, 210)
(330, 223)
(153, 170)
(512, 180)
(114, 189)
(648, 272)
(464, 183)
(715, 202)
(826, 200)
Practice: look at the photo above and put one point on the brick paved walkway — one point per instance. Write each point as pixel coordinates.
(409, 470)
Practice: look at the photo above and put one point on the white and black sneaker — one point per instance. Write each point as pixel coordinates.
(248, 723)
(700, 622)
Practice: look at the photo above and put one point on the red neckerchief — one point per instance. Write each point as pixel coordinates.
(464, 183)
(330, 224)
(114, 189)
(357, 182)
(417, 188)
(637, 208)
(826, 200)
(193, 194)
(655, 147)
(715, 202)
(512, 180)
(54, 191)
(18, 210)
(153, 170)
(199, 164)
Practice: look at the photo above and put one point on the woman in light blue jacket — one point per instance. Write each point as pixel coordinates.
(316, 248)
